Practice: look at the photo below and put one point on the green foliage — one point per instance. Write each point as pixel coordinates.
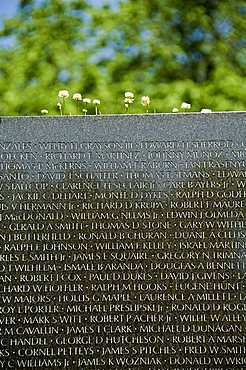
(172, 51)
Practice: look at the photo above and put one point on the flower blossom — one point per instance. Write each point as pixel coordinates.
(87, 100)
(185, 105)
(77, 96)
(44, 111)
(145, 100)
(63, 94)
(175, 110)
(96, 101)
(128, 101)
(129, 97)
(129, 94)
(206, 110)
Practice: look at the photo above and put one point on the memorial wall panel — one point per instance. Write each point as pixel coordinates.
(123, 242)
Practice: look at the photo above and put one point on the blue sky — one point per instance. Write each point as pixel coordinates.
(8, 7)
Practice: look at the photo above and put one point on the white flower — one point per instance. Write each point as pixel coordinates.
(59, 106)
(129, 94)
(145, 100)
(63, 94)
(77, 96)
(128, 101)
(175, 110)
(96, 101)
(44, 111)
(126, 105)
(87, 100)
(206, 111)
(185, 105)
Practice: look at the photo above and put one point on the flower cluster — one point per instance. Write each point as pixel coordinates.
(63, 94)
(128, 101)
(186, 106)
(129, 97)
(77, 97)
(145, 100)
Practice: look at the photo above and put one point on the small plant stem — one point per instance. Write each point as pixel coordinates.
(64, 105)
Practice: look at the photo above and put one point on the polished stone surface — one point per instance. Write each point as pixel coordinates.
(123, 241)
